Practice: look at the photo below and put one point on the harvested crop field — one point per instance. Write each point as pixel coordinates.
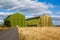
(39, 33)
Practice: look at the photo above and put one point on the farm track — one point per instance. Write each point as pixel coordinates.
(10, 34)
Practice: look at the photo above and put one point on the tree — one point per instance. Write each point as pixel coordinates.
(7, 23)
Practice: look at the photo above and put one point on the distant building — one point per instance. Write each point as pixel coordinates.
(18, 20)
(40, 21)
(14, 20)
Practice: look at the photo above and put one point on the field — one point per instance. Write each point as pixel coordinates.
(3, 28)
(39, 33)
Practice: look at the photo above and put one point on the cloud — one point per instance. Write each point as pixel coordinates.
(3, 15)
(55, 16)
(58, 12)
(31, 7)
(8, 3)
(48, 12)
(0, 5)
(29, 16)
(51, 5)
(1, 21)
(56, 22)
(25, 6)
(56, 19)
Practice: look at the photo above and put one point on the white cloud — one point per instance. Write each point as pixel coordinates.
(38, 14)
(0, 6)
(26, 6)
(1, 20)
(8, 3)
(56, 19)
(58, 12)
(29, 16)
(55, 16)
(56, 22)
(51, 5)
(5, 13)
(48, 12)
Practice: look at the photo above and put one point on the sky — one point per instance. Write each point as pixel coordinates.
(31, 8)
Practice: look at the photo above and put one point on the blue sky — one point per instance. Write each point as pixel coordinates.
(53, 2)
(31, 8)
(56, 10)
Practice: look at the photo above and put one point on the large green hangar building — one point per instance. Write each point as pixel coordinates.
(18, 19)
(40, 21)
(14, 20)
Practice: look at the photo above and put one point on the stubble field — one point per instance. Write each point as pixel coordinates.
(39, 33)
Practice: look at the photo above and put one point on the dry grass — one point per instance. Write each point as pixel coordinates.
(3, 28)
(39, 33)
